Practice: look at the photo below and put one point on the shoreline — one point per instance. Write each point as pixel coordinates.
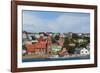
(55, 57)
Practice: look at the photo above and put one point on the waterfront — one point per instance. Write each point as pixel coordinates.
(55, 46)
(41, 59)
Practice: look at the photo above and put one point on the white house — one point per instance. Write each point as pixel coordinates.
(84, 51)
(37, 35)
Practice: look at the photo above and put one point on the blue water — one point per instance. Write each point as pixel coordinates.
(53, 59)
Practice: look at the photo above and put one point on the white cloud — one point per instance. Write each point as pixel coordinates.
(32, 22)
(70, 23)
(63, 23)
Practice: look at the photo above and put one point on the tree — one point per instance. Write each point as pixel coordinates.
(68, 41)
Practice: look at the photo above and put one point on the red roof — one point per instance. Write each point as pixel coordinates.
(32, 47)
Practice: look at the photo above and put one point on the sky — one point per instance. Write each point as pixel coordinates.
(50, 21)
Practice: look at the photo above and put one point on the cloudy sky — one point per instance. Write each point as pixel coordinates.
(49, 21)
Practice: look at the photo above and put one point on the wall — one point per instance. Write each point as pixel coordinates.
(5, 18)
